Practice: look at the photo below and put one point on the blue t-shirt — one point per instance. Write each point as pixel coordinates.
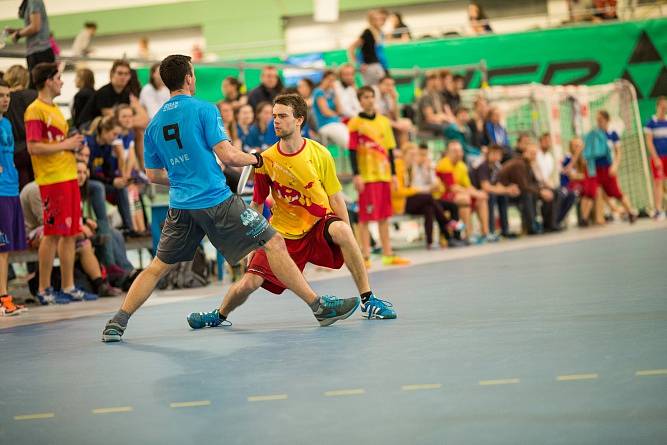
(612, 140)
(564, 178)
(658, 129)
(258, 139)
(9, 178)
(321, 119)
(102, 163)
(245, 138)
(180, 138)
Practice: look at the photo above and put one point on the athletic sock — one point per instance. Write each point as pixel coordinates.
(97, 283)
(366, 296)
(220, 316)
(315, 306)
(121, 318)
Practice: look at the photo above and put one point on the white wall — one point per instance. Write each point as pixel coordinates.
(9, 8)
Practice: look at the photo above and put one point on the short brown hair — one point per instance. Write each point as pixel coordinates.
(118, 63)
(17, 75)
(4, 84)
(43, 72)
(365, 89)
(604, 114)
(294, 101)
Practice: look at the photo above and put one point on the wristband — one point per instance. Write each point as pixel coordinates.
(260, 160)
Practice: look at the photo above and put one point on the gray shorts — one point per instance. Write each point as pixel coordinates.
(232, 227)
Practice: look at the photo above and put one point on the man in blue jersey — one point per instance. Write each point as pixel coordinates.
(180, 146)
(656, 141)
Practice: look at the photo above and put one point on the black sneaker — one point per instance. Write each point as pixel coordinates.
(333, 309)
(112, 332)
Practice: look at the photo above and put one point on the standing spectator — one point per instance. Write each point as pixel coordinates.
(484, 178)
(81, 45)
(110, 95)
(154, 94)
(399, 30)
(386, 97)
(479, 22)
(346, 91)
(37, 33)
(431, 114)
(55, 172)
(604, 10)
(12, 231)
(371, 155)
(143, 49)
(477, 121)
(231, 92)
(460, 131)
(453, 173)
(268, 89)
(326, 108)
(656, 140)
(18, 79)
(495, 133)
(602, 152)
(372, 60)
(549, 176)
(85, 82)
(245, 119)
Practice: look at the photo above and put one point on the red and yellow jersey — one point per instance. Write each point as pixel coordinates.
(451, 174)
(372, 139)
(45, 123)
(300, 184)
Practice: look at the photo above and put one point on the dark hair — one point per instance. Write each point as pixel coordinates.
(91, 25)
(118, 63)
(87, 77)
(458, 77)
(173, 70)
(481, 15)
(43, 72)
(294, 101)
(134, 86)
(235, 83)
(399, 16)
(4, 84)
(365, 89)
(495, 147)
(22, 8)
(328, 73)
(154, 68)
(661, 98)
(461, 110)
(385, 77)
(604, 114)
(308, 82)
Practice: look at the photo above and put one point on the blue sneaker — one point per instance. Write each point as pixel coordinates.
(49, 296)
(112, 332)
(198, 320)
(333, 309)
(375, 308)
(77, 294)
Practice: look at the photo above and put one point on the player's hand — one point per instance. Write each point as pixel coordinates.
(134, 101)
(358, 183)
(92, 224)
(73, 143)
(119, 182)
(613, 170)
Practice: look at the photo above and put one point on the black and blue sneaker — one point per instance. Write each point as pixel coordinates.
(113, 332)
(77, 294)
(333, 309)
(198, 320)
(375, 308)
(49, 296)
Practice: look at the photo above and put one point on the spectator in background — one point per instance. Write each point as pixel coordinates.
(85, 82)
(37, 33)
(346, 91)
(522, 142)
(476, 122)
(460, 131)
(326, 108)
(450, 94)
(12, 230)
(231, 91)
(81, 45)
(386, 103)
(372, 60)
(549, 176)
(431, 115)
(305, 89)
(54, 45)
(154, 94)
(495, 132)
(229, 120)
(245, 119)
(268, 89)
(604, 10)
(143, 50)
(479, 22)
(18, 79)
(656, 141)
(114, 93)
(260, 138)
(399, 30)
(134, 86)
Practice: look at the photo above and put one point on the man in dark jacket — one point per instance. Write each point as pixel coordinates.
(270, 87)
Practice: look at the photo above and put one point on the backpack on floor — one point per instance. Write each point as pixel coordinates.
(188, 274)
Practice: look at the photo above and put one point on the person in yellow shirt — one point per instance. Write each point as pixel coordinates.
(309, 212)
(371, 155)
(453, 172)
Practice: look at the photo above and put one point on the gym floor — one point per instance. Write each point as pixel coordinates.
(546, 341)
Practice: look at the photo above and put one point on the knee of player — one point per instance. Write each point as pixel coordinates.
(158, 268)
(341, 233)
(250, 283)
(275, 243)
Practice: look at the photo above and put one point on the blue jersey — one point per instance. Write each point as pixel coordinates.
(658, 129)
(612, 140)
(9, 177)
(328, 96)
(180, 139)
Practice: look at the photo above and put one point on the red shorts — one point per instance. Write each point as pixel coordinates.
(61, 203)
(660, 173)
(603, 179)
(375, 202)
(316, 247)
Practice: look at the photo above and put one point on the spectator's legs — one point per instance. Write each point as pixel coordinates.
(440, 217)
(567, 200)
(493, 200)
(420, 204)
(4, 270)
(46, 253)
(463, 201)
(482, 210)
(586, 208)
(527, 206)
(342, 235)
(66, 253)
(337, 133)
(123, 205)
(96, 195)
(119, 251)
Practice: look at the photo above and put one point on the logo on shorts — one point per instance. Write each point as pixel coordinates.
(4, 239)
(254, 221)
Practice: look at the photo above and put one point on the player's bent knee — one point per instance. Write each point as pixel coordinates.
(276, 243)
(341, 233)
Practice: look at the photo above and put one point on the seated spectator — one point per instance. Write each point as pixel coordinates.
(519, 171)
(386, 103)
(346, 91)
(460, 131)
(495, 132)
(85, 82)
(477, 121)
(450, 94)
(305, 89)
(371, 57)
(521, 142)
(260, 137)
(229, 120)
(326, 109)
(231, 92)
(110, 95)
(483, 177)
(573, 171)
(453, 172)
(245, 119)
(604, 10)
(18, 78)
(548, 173)
(479, 22)
(431, 114)
(399, 30)
(268, 89)
(154, 94)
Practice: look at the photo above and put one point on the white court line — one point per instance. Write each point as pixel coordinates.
(35, 416)
(649, 372)
(190, 404)
(115, 409)
(267, 398)
(345, 392)
(575, 377)
(499, 382)
(421, 386)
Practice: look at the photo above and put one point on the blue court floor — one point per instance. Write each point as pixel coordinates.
(563, 344)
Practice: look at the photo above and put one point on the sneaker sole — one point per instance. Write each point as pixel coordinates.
(376, 317)
(109, 338)
(330, 321)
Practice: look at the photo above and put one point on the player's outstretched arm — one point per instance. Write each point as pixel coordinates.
(232, 156)
(158, 176)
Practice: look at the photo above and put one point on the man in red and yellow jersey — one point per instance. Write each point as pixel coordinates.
(54, 163)
(371, 155)
(453, 173)
(309, 212)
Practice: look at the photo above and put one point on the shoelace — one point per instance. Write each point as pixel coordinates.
(385, 302)
(330, 302)
(210, 319)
